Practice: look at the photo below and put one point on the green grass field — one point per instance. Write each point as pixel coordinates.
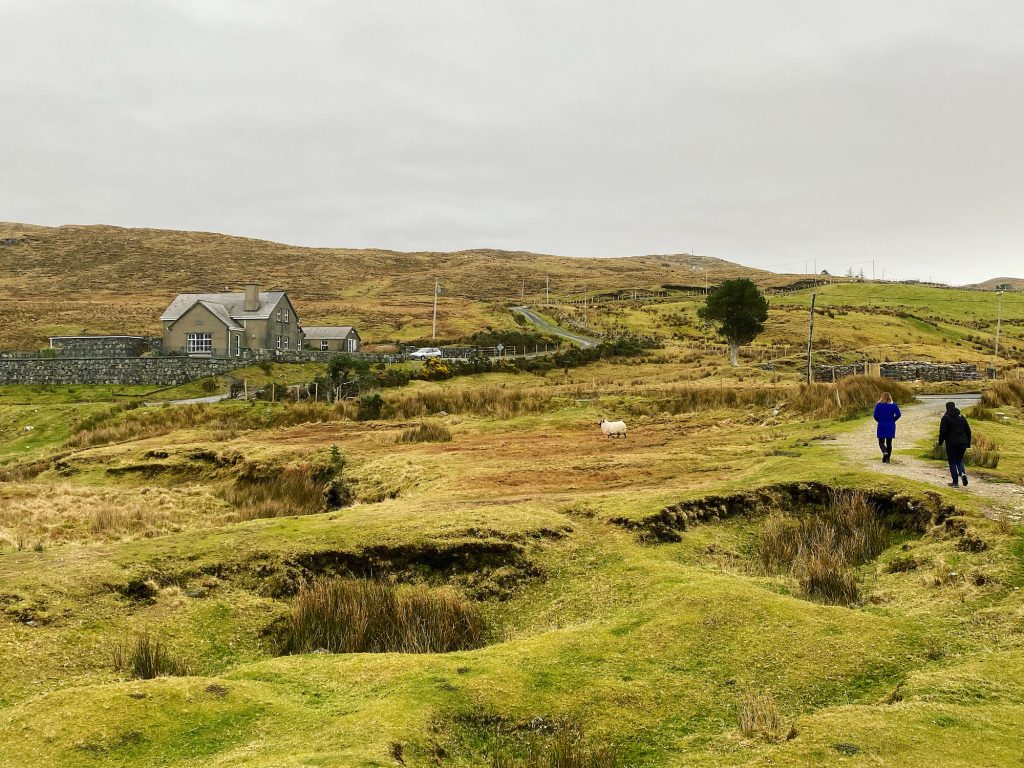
(623, 584)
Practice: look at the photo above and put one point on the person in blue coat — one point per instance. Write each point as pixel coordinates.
(887, 413)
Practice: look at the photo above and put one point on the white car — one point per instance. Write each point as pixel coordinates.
(424, 352)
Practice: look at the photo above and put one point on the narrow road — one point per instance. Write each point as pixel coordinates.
(190, 400)
(920, 421)
(544, 325)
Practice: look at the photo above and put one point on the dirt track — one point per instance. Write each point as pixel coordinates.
(920, 422)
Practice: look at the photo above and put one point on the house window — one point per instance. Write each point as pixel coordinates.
(286, 342)
(286, 315)
(199, 343)
(324, 345)
(279, 315)
(238, 346)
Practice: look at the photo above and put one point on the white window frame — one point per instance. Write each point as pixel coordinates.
(285, 343)
(238, 345)
(350, 345)
(199, 343)
(325, 345)
(279, 314)
(278, 342)
(286, 316)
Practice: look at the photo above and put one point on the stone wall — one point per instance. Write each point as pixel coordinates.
(910, 370)
(103, 346)
(906, 370)
(155, 371)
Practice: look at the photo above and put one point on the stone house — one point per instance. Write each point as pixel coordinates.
(230, 324)
(331, 338)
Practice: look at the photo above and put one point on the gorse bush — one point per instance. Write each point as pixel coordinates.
(426, 432)
(363, 616)
(821, 551)
(146, 657)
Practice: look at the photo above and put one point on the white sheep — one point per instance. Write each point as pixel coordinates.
(613, 428)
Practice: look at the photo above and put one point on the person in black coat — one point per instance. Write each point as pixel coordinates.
(955, 433)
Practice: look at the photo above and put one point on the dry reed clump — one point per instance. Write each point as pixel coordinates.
(501, 402)
(116, 425)
(147, 657)
(58, 513)
(363, 616)
(273, 491)
(1003, 393)
(426, 432)
(758, 717)
(565, 748)
(984, 452)
(821, 551)
(850, 396)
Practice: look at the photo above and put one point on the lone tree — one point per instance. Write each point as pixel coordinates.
(738, 310)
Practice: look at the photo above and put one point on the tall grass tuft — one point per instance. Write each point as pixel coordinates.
(848, 397)
(565, 748)
(501, 402)
(758, 716)
(363, 616)
(821, 551)
(1001, 393)
(147, 657)
(426, 432)
(984, 452)
(273, 491)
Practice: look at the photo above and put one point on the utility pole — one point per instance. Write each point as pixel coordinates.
(705, 285)
(437, 290)
(999, 318)
(872, 269)
(547, 290)
(810, 336)
(522, 292)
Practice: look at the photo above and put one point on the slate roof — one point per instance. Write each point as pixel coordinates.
(316, 332)
(229, 306)
(221, 313)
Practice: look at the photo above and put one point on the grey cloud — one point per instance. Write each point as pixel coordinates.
(765, 133)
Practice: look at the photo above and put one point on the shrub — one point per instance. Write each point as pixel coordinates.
(369, 408)
(435, 369)
(426, 432)
(147, 657)
(758, 716)
(363, 616)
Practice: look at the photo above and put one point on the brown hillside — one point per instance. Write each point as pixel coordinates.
(104, 279)
(1015, 283)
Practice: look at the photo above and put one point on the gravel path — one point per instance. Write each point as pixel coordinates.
(921, 422)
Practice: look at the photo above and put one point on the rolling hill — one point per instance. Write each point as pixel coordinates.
(104, 279)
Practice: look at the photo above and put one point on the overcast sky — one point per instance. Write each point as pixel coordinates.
(767, 133)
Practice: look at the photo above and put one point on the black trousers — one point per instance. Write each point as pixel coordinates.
(885, 443)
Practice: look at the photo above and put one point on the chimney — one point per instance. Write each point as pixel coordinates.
(252, 297)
